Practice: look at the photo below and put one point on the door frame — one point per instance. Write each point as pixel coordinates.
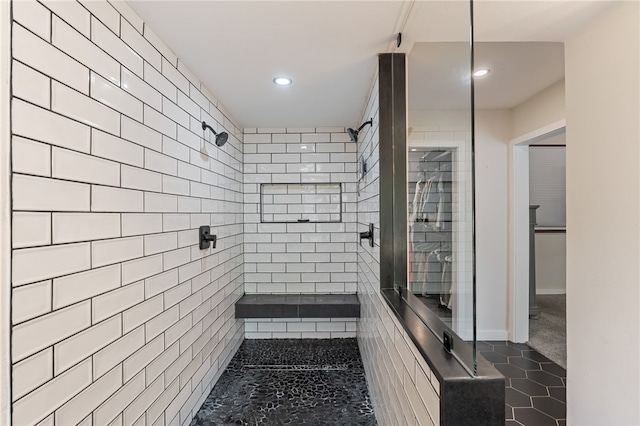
(518, 278)
(462, 321)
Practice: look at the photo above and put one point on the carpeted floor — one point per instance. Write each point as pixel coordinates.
(548, 334)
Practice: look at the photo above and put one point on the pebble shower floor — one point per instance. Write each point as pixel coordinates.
(291, 381)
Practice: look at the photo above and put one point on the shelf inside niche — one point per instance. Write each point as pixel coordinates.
(301, 202)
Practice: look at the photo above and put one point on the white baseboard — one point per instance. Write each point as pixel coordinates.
(548, 291)
(492, 335)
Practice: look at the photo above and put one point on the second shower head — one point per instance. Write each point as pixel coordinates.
(221, 138)
(353, 134)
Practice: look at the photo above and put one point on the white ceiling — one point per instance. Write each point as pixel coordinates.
(329, 47)
(439, 73)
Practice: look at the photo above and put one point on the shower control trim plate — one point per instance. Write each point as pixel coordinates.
(368, 235)
(206, 238)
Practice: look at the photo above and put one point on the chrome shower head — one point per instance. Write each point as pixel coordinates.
(221, 138)
(353, 134)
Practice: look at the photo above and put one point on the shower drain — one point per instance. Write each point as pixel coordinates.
(301, 367)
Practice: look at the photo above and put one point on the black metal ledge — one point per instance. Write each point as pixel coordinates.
(298, 306)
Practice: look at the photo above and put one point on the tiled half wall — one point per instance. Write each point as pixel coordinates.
(403, 388)
(118, 317)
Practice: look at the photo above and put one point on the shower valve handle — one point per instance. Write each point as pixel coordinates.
(368, 235)
(206, 238)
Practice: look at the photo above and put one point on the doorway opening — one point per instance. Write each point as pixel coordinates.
(547, 333)
(547, 198)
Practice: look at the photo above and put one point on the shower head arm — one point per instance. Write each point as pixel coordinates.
(206, 126)
(370, 122)
(221, 138)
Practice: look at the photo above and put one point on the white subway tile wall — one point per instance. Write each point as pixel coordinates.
(118, 317)
(300, 328)
(403, 387)
(296, 258)
(313, 257)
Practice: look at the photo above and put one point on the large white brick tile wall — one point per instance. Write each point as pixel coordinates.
(300, 328)
(118, 316)
(404, 389)
(300, 258)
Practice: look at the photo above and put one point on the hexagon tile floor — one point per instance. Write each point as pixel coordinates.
(291, 381)
(536, 386)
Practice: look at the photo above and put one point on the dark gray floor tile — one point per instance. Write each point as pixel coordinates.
(536, 356)
(533, 417)
(483, 346)
(494, 357)
(521, 346)
(518, 389)
(508, 412)
(508, 350)
(554, 369)
(559, 393)
(550, 406)
(550, 399)
(511, 371)
(529, 387)
(515, 398)
(544, 378)
(524, 363)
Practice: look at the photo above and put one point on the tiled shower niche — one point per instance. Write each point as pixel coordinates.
(301, 203)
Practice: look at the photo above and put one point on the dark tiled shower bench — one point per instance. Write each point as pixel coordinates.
(298, 306)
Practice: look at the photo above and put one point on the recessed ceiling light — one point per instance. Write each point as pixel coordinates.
(414, 149)
(282, 81)
(481, 72)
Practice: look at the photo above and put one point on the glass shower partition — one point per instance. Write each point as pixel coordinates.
(440, 270)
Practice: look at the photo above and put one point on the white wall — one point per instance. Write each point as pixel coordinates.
(492, 138)
(493, 129)
(117, 314)
(551, 262)
(533, 118)
(5, 214)
(547, 106)
(603, 237)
